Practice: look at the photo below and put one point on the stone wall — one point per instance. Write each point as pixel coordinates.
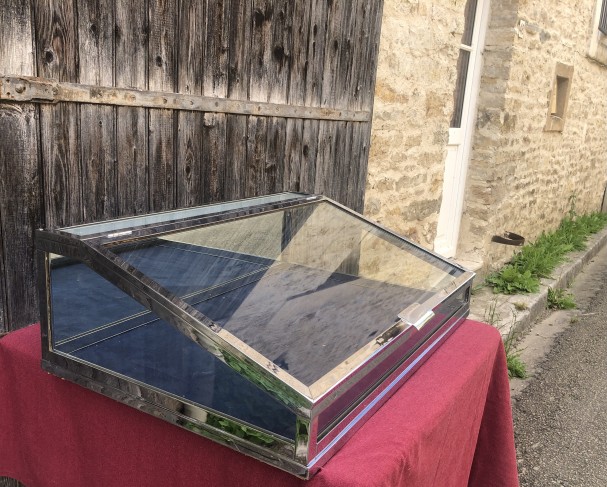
(521, 178)
(413, 106)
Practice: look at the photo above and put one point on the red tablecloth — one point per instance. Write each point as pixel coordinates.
(449, 425)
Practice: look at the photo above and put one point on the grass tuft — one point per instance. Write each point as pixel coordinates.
(559, 299)
(516, 367)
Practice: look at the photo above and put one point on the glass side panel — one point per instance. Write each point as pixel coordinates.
(98, 323)
(447, 310)
(306, 286)
(167, 216)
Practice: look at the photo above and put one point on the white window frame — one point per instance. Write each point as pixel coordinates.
(598, 40)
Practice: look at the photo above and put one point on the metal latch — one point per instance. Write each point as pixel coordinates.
(391, 332)
(413, 317)
(416, 315)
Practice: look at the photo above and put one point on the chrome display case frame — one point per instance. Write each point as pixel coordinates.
(327, 412)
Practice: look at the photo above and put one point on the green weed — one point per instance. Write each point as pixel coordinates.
(516, 367)
(559, 299)
(510, 280)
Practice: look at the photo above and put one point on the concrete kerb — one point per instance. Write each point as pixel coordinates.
(517, 313)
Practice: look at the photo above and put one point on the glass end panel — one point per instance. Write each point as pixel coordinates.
(306, 286)
(124, 225)
(96, 322)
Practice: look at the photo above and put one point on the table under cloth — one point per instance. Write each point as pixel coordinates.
(450, 424)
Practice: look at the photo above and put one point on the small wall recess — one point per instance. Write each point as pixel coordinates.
(559, 97)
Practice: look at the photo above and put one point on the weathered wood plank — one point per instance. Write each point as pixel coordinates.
(361, 136)
(239, 58)
(279, 68)
(260, 48)
(309, 155)
(216, 56)
(275, 155)
(256, 156)
(161, 62)
(239, 61)
(20, 210)
(293, 155)
(16, 54)
(98, 184)
(356, 60)
(214, 157)
(302, 140)
(61, 165)
(324, 177)
(57, 57)
(305, 88)
(20, 189)
(235, 169)
(131, 54)
(309, 20)
(302, 12)
(16, 34)
(189, 148)
(271, 43)
(215, 84)
(354, 65)
(337, 50)
(346, 165)
(370, 55)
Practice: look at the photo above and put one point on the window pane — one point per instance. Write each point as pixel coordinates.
(470, 15)
(460, 88)
(603, 21)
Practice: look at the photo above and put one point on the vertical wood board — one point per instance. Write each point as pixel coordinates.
(161, 66)
(130, 67)
(57, 57)
(20, 211)
(215, 84)
(256, 156)
(20, 188)
(97, 123)
(189, 150)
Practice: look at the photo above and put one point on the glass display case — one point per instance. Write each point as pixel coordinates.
(275, 325)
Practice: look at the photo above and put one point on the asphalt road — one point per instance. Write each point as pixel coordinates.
(560, 418)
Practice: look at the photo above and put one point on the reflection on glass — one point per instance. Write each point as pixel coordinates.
(96, 322)
(306, 286)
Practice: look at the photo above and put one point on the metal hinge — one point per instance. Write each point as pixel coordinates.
(28, 89)
(42, 90)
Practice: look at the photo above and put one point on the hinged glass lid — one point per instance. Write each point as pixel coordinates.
(306, 286)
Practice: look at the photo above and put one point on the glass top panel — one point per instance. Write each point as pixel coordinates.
(305, 286)
(168, 216)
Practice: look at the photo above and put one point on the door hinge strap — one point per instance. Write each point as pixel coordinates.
(42, 90)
